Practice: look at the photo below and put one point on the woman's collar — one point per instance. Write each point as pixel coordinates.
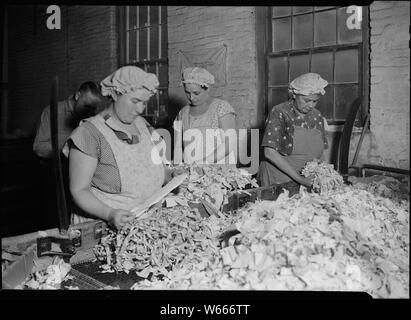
(113, 125)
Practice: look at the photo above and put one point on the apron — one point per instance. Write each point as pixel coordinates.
(140, 177)
(308, 144)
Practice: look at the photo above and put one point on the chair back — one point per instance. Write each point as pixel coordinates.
(344, 146)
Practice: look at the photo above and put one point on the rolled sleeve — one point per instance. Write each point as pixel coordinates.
(85, 139)
(225, 108)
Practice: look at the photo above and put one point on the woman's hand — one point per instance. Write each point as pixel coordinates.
(305, 181)
(177, 172)
(118, 218)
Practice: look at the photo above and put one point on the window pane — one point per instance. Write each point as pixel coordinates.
(163, 14)
(281, 11)
(346, 35)
(154, 15)
(152, 105)
(163, 95)
(326, 103)
(282, 34)
(302, 31)
(324, 28)
(132, 17)
(164, 41)
(298, 65)
(302, 9)
(142, 43)
(277, 96)
(321, 8)
(346, 65)
(142, 16)
(132, 48)
(322, 63)
(151, 68)
(278, 71)
(344, 96)
(163, 75)
(154, 42)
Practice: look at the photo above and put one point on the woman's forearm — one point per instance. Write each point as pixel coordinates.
(281, 163)
(88, 202)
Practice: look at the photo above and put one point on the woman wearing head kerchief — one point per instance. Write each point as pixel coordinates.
(294, 133)
(113, 167)
(205, 128)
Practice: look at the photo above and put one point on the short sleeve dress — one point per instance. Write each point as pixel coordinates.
(298, 138)
(199, 131)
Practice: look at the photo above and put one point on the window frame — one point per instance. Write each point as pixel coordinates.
(122, 53)
(363, 58)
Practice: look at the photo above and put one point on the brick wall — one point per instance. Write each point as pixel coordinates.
(197, 28)
(83, 49)
(388, 143)
(390, 87)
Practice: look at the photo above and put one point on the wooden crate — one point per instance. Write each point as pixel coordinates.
(238, 199)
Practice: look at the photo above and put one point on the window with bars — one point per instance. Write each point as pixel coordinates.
(317, 39)
(143, 43)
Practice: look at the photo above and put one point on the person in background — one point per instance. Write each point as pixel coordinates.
(112, 155)
(82, 104)
(294, 133)
(201, 114)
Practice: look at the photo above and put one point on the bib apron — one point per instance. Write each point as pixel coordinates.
(140, 176)
(308, 144)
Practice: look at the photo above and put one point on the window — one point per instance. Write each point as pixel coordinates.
(143, 43)
(317, 39)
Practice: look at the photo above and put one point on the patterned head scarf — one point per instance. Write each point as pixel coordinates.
(198, 76)
(127, 79)
(308, 83)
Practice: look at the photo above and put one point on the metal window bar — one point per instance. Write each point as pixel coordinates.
(151, 60)
(127, 33)
(303, 13)
(137, 33)
(159, 32)
(316, 49)
(148, 32)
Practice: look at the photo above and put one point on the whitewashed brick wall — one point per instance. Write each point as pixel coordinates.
(197, 28)
(388, 142)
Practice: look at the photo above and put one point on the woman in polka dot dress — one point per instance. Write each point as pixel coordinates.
(294, 133)
(204, 129)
